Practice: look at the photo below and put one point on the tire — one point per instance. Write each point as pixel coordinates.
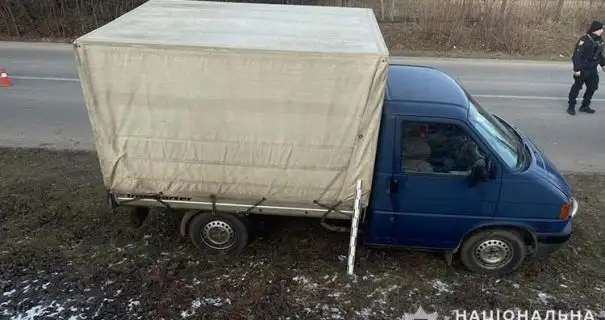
(509, 245)
(232, 232)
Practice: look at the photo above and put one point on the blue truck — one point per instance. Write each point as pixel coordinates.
(506, 203)
(227, 111)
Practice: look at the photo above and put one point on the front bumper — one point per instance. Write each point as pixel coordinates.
(549, 244)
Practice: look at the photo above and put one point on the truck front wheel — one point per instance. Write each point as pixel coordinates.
(493, 252)
(218, 233)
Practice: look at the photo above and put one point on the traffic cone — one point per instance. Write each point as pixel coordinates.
(4, 81)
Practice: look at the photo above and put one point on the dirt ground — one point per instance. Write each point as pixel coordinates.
(65, 255)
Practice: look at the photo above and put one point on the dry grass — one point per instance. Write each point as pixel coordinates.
(529, 27)
(526, 27)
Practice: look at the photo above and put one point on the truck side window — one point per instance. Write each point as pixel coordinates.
(437, 148)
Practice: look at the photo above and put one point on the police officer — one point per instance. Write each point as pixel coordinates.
(587, 56)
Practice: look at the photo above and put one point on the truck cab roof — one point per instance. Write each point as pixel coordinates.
(424, 91)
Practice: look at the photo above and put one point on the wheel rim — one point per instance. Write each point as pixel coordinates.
(218, 235)
(493, 253)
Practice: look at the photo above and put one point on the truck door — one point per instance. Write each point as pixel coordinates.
(433, 205)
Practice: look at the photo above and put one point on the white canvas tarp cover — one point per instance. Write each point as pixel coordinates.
(243, 101)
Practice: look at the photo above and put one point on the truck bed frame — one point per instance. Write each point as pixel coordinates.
(159, 201)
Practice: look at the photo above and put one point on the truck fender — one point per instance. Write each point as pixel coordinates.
(185, 221)
(526, 231)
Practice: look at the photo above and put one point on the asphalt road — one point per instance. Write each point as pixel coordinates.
(45, 105)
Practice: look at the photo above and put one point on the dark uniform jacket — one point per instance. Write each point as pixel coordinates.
(588, 53)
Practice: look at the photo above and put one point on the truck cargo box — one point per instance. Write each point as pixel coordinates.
(191, 99)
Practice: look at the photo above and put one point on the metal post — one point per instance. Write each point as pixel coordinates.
(354, 226)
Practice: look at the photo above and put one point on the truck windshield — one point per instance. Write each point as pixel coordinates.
(502, 139)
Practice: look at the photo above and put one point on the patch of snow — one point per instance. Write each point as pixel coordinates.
(36, 311)
(412, 292)
(118, 263)
(9, 293)
(365, 313)
(330, 312)
(441, 287)
(197, 303)
(306, 282)
(333, 278)
(132, 304)
(383, 293)
(101, 306)
(543, 297)
(374, 278)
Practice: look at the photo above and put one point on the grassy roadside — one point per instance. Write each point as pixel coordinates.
(63, 253)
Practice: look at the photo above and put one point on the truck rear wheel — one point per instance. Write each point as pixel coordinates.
(218, 233)
(493, 251)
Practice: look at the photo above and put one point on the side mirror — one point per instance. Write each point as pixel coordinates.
(481, 171)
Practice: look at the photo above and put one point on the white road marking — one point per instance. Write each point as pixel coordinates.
(496, 96)
(488, 96)
(44, 78)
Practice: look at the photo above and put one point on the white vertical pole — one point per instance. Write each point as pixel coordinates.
(354, 226)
